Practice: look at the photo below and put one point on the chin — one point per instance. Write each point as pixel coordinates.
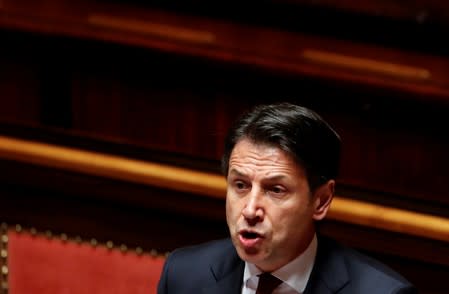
(250, 255)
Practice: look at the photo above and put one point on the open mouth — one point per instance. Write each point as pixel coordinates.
(250, 235)
(250, 240)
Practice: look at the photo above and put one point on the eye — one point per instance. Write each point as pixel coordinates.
(277, 191)
(240, 185)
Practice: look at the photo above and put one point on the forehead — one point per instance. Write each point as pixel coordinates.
(261, 157)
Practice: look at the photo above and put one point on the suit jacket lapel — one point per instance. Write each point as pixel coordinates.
(329, 274)
(228, 275)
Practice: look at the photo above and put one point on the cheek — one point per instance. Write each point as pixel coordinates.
(280, 222)
(290, 221)
(231, 208)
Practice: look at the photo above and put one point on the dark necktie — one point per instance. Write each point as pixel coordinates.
(267, 283)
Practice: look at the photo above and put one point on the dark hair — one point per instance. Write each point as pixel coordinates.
(297, 130)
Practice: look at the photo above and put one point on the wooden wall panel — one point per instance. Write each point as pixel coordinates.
(19, 86)
(161, 110)
(396, 148)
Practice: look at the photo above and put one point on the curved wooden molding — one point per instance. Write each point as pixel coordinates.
(366, 65)
(150, 28)
(389, 218)
(115, 167)
(213, 185)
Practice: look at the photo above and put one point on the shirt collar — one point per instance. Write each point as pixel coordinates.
(295, 274)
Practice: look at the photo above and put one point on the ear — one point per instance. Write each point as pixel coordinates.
(322, 199)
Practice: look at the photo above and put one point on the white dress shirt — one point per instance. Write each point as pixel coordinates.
(294, 275)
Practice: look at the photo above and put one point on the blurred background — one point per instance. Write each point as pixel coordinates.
(108, 108)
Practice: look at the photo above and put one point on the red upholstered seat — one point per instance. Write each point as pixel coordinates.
(39, 265)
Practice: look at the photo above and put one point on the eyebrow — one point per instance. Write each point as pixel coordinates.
(275, 178)
(235, 172)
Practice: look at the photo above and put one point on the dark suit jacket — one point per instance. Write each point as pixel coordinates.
(216, 268)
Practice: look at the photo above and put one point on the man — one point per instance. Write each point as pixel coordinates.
(280, 163)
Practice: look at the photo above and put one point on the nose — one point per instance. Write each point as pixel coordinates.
(253, 212)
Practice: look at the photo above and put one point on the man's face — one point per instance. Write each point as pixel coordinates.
(269, 209)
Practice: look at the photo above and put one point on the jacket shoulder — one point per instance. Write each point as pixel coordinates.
(364, 273)
(212, 250)
(190, 269)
